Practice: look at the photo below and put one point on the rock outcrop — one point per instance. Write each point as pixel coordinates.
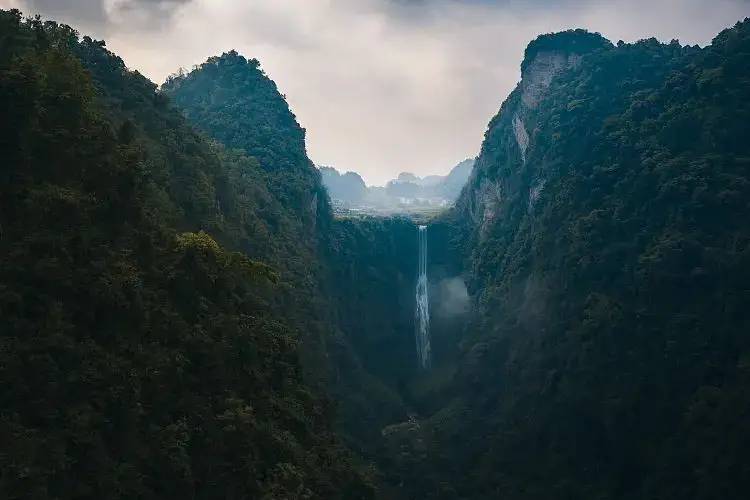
(505, 170)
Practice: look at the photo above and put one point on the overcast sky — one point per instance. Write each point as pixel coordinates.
(382, 86)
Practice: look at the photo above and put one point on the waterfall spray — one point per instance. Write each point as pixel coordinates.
(422, 313)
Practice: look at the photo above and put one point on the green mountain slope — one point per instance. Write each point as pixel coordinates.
(352, 280)
(176, 296)
(139, 357)
(607, 248)
(232, 100)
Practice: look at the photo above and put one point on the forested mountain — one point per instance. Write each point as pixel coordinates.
(140, 358)
(604, 236)
(232, 100)
(183, 317)
(349, 281)
(348, 187)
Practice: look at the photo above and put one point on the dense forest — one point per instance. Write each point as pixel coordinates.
(356, 344)
(182, 316)
(605, 242)
(144, 352)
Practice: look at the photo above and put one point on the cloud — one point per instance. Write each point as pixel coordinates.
(104, 17)
(382, 86)
(160, 6)
(144, 14)
(87, 12)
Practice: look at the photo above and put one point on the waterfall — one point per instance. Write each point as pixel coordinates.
(422, 313)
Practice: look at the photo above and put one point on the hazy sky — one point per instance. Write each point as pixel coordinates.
(382, 86)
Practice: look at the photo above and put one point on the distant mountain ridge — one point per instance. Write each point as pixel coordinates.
(349, 189)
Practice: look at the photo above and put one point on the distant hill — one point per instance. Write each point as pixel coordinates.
(452, 184)
(404, 193)
(348, 187)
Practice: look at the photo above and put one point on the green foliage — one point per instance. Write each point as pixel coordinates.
(274, 207)
(258, 121)
(139, 357)
(202, 244)
(607, 358)
(372, 264)
(157, 288)
(357, 333)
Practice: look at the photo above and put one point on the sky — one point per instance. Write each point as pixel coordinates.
(381, 86)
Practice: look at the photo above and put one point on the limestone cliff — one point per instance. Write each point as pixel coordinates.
(506, 170)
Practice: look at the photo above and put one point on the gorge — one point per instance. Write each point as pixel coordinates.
(183, 316)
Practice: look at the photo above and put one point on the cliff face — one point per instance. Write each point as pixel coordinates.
(539, 73)
(501, 175)
(606, 248)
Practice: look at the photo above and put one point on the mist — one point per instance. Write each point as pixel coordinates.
(451, 298)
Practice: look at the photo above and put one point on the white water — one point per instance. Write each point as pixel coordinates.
(422, 313)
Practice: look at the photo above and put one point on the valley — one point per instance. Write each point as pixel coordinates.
(191, 308)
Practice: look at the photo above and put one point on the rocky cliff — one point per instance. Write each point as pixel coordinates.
(605, 244)
(501, 174)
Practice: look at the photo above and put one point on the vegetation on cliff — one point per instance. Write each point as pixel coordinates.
(140, 357)
(352, 280)
(176, 296)
(609, 356)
